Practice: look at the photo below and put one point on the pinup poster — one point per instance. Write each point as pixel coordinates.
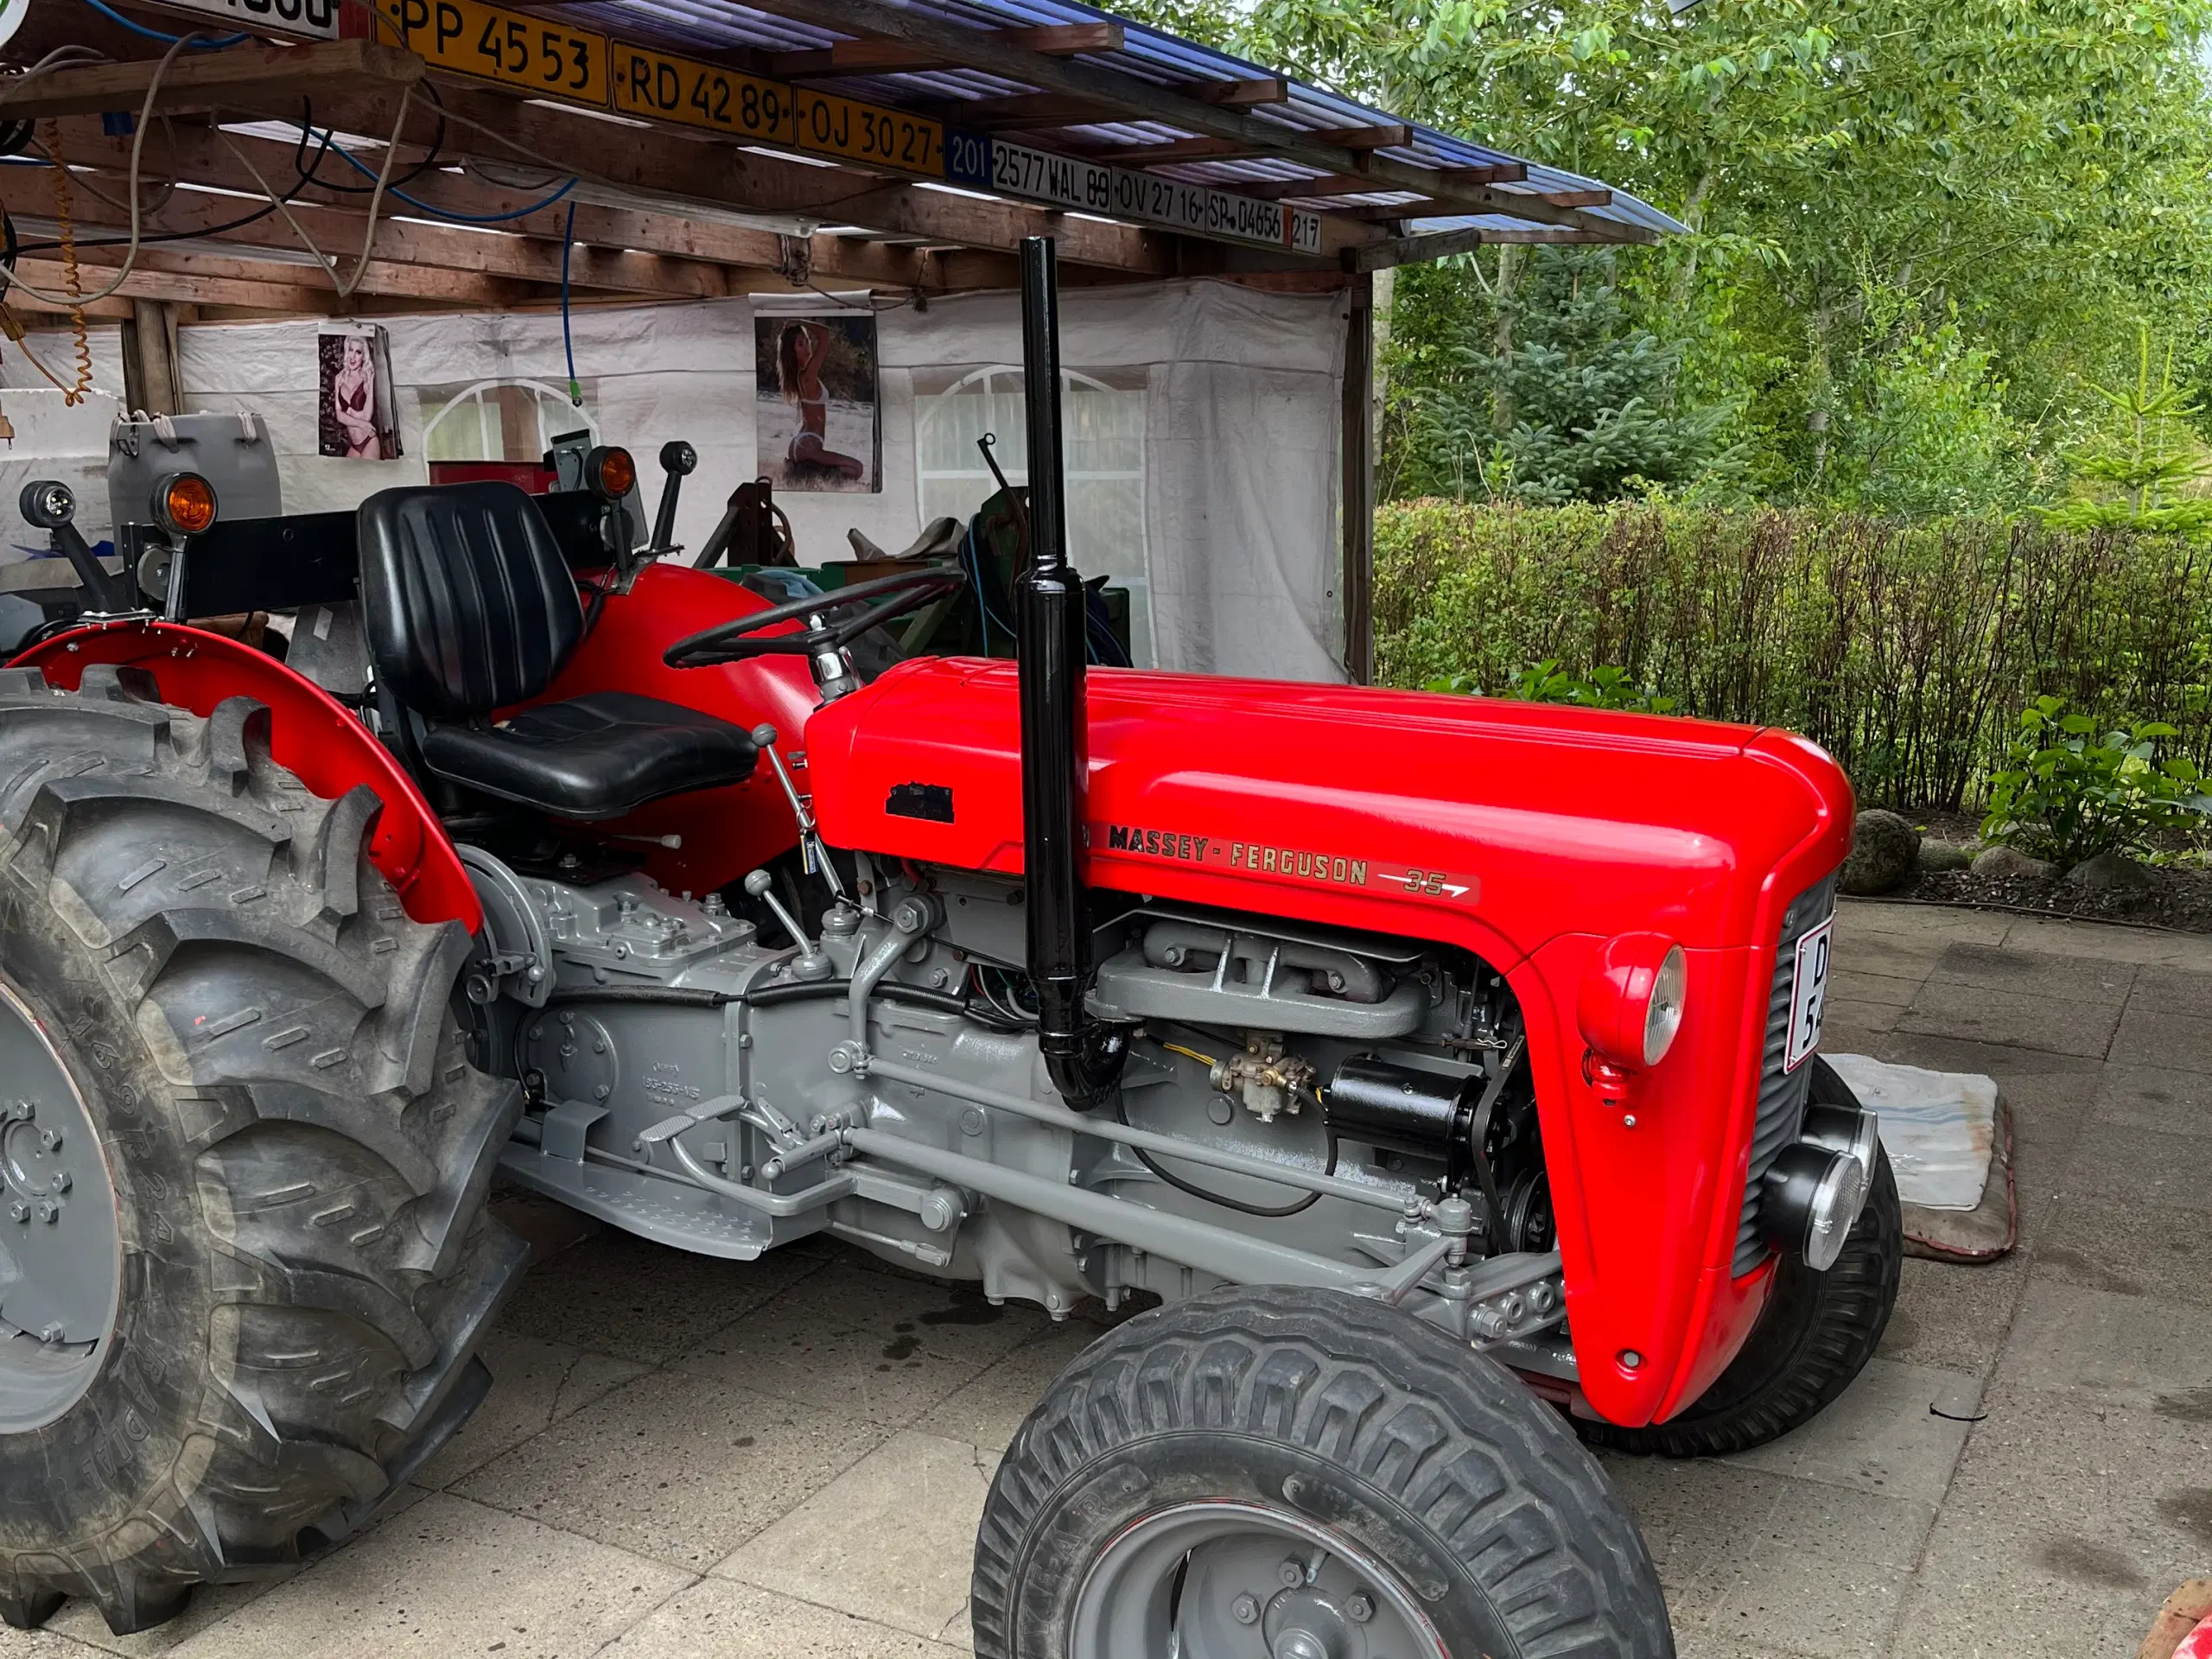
(816, 411)
(355, 414)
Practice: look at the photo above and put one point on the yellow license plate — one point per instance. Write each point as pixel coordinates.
(659, 84)
(549, 59)
(867, 132)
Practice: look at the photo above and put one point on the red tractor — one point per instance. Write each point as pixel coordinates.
(1445, 1068)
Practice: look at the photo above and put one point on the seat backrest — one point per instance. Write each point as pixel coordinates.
(467, 603)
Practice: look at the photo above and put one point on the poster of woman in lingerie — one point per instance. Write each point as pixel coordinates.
(817, 408)
(353, 407)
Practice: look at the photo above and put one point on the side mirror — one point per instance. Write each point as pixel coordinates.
(678, 460)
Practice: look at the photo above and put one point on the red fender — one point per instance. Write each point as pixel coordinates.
(311, 733)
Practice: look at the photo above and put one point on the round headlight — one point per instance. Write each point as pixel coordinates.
(1629, 1008)
(184, 504)
(1662, 1016)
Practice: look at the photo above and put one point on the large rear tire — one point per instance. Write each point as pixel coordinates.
(246, 1086)
(1267, 1471)
(1816, 1333)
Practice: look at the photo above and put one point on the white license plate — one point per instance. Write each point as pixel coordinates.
(1808, 994)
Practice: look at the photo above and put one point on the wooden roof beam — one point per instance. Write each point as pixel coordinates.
(1177, 149)
(675, 167)
(1437, 245)
(205, 80)
(875, 56)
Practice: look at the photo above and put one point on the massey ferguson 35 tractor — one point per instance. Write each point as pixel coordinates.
(1445, 1068)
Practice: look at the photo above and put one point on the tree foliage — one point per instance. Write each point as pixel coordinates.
(1920, 233)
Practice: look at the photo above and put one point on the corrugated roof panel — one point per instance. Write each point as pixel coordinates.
(1147, 55)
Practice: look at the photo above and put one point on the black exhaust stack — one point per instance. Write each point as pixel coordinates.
(1084, 1057)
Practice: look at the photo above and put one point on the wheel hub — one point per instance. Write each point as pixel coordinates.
(60, 1249)
(1236, 1580)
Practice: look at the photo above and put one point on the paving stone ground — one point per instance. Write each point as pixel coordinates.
(692, 1459)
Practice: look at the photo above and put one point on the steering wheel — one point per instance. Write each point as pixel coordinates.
(731, 642)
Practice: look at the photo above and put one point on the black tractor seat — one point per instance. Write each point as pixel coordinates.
(470, 607)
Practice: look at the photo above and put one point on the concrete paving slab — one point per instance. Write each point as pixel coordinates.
(448, 1578)
(534, 1385)
(944, 1318)
(1952, 1317)
(2132, 1166)
(2054, 936)
(2054, 978)
(2063, 1529)
(797, 1351)
(2127, 1249)
(1897, 1431)
(890, 1540)
(617, 1294)
(1887, 990)
(2128, 1351)
(1797, 1601)
(2156, 1097)
(2161, 1037)
(1920, 924)
(989, 1412)
(2166, 988)
(41, 1644)
(1842, 1014)
(674, 1468)
(210, 1605)
(719, 1619)
(2011, 1019)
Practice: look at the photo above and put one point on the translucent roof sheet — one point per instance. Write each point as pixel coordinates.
(1174, 65)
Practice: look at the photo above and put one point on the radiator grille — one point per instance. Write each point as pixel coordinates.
(1781, 1094)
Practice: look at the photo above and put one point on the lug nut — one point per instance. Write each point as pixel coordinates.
(19, 1210)
(1247, 1609)
(48, 1210)
(1359, 1609)
(50, 1139)
(1292, 1574)
(60, 1182)
(23, 1111)
(52, 1334)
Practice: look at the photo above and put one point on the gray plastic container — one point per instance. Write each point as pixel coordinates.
(232, 451)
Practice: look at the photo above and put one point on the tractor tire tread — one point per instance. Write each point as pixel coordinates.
(332, 1150)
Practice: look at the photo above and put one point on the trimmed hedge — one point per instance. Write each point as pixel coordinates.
(1907, 651)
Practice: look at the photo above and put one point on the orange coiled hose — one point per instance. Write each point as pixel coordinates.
(72, 280)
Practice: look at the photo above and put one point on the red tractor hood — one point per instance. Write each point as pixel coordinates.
(1349, 805)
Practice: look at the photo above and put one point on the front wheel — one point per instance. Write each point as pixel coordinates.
(1257, 1473)
(1816, 1333)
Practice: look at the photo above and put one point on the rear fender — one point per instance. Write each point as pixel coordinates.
(313, 735)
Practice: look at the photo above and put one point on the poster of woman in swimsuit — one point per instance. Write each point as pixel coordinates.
(353, 405)
(816, 408)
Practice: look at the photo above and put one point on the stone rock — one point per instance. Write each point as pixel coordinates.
(2010, 864)
(2109, 873)
(1939, 856)
(1884, 848)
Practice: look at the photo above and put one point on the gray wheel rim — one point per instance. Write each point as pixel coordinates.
(60, 1244)
(1236, 1580)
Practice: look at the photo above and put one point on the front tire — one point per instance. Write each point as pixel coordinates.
(243, 1050)
(1815, 1334)
(1160, 1496)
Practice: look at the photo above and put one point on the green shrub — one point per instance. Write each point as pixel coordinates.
(2068, 791)
(1546, 682)
(1901, 648)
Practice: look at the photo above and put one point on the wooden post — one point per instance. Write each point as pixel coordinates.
(1358, 489)
(150, 379)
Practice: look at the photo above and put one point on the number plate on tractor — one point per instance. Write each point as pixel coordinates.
(1809, 991)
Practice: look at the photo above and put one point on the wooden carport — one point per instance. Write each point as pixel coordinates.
(343, 159)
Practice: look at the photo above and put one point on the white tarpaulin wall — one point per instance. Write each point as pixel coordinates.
(1202, 435)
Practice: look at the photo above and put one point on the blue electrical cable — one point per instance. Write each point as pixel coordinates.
(567, 340)
(447, 212)
(114, 16)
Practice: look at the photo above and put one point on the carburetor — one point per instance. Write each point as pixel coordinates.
(1266, 1079)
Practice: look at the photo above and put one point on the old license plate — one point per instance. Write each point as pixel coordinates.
(1808, 993)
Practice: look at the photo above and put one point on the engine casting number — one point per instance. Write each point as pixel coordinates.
(1809, 991)
(1297, 863)
(494, 44)
(696, 94)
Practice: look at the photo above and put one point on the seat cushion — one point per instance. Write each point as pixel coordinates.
(595, 756)
(469, 604)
